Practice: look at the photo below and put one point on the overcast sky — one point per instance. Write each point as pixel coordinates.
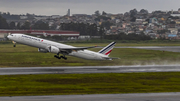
(60, 7)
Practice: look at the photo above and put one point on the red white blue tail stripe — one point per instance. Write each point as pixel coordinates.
(107, 50)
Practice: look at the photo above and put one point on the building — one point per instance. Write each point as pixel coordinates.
(68, 12)
(70, 34)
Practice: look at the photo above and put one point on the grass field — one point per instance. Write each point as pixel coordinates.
(127, 44)
(62, 84)
(25, 56)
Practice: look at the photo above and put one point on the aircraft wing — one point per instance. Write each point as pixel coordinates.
(77, 48)
(69, 50)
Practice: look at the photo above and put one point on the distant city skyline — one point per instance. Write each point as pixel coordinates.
(60, 7)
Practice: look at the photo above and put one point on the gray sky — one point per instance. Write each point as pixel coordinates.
(60, 7)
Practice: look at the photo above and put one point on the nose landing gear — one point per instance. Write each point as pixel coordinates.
(14, 43)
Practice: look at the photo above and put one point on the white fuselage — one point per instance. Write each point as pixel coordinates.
(43, 44)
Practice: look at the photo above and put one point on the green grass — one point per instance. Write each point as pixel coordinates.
(62, 84)
(25, 56)
(155, 41)
(128, 43)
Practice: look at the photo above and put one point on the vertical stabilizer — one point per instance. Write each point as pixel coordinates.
(107, 50)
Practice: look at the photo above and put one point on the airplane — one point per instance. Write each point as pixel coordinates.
(45, 46)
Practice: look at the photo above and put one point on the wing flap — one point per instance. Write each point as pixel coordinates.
(69, 50)
(77, 48)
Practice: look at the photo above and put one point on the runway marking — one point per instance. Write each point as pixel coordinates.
(88, 69)
(100, 97)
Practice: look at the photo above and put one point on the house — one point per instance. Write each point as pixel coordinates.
(23, 17)
(55, 16)
(173, 31)
(177, 21)
(153, 20)
(41, 32)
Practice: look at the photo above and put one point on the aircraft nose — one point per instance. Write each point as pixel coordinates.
(8, 36)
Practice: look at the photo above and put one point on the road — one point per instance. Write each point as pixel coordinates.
(88, 69)
(100, 97)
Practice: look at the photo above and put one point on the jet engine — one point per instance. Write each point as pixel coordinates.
(42, 50)
(53, 49)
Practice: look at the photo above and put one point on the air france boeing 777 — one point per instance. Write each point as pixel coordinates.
(46, 46)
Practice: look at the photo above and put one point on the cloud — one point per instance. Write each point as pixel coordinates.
(60, 7)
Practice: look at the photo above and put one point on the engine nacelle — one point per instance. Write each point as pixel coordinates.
(42, 50)
(53, 49)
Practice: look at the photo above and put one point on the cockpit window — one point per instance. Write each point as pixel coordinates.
(11, 35)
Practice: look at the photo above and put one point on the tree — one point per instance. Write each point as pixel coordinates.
(133, 13)
(84, 29)
(41, 25)
(126, 14)
(104, 13)
(172, 22)
(101, 32)
(18, 26)
(26, 25)
(132, 36)
(12, 25)
(162, 31)
(143, 11)
(3, 23)
(92, 30)
(133, 19)
(102, 17)
(97, 13)
(107, 25)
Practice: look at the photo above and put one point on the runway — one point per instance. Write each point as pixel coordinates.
(88, 69)
(93, 69)
(161, 48)
(100, 97)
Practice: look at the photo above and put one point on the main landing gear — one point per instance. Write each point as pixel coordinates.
(59, 57)
(14, 43)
